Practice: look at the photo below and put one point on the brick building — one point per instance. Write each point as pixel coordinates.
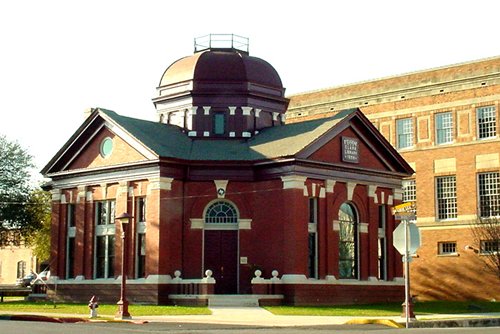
(444, 122)
(226, 198)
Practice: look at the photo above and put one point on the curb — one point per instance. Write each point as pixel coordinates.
(475, 322)
(70, 320)
(385, 322)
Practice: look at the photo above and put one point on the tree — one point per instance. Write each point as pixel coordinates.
(16, 222)
(39, 210)
(486, 232)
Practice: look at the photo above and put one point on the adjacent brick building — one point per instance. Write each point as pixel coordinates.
(226, 198)
(444, 122)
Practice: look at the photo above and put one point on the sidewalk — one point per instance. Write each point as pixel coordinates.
(256, 316)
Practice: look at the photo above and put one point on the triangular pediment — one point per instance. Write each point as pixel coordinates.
(98, 143)
(354, 142)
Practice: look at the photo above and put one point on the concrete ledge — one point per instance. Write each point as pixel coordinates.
(474, 322)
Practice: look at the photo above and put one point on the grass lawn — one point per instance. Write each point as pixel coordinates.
(103, 310)
(388, 309)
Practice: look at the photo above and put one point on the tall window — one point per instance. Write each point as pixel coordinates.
(404, 129)
(486, 122)
(105, 239)
(219, 123)
(70, 246)
(348, 243)
(21, 269)
(140, 213)
(489, 194)
(382, 248)
(312, 261)
(446, 189)
(221, 213)
(444, 128)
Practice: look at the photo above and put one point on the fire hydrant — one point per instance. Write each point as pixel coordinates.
(93, 305)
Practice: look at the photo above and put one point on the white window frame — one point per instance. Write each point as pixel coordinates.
(404, 129)
(493, 251)
(444, 248)
(446, 206)
(486, 124)
(488, 191)
(106, 230)
(444, 125)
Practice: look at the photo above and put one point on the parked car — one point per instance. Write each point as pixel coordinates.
(26, 280)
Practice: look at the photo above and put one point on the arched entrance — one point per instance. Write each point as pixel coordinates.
(221, 245)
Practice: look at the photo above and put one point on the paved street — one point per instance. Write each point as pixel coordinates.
(17, 327)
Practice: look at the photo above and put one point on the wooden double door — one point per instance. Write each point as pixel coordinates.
(221, 256)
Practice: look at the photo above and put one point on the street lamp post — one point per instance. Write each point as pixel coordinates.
(123, 313)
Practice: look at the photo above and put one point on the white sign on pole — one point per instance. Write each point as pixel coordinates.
(398, 237)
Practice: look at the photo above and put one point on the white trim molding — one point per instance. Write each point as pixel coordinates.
(293, 181)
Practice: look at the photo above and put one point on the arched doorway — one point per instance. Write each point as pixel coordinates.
(221, 245)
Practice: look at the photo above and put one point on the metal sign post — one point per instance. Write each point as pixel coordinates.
(407, 276)
(406, 239)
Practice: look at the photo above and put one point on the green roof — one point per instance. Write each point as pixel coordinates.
(169, 141)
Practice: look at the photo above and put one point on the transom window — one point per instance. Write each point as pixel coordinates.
(446, 189)
(486, 122)
(447, 248)
(444, 128)
(489, 194)
(404, 128)
(348, 243)
(221, 213)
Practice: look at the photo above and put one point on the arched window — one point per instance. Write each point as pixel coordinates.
(221, 213)
(348, 243)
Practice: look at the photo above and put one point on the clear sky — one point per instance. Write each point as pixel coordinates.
(58, 58)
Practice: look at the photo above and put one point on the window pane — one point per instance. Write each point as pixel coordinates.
(446, 197)
(447, 248)
(348, 252)
(71, 215)
(222, 213)
(219, 125)
(444, 128)
(404, 128)
(486, 122)
(71, 258)
(141, 209)
(489, 194)
(111, 256)
(100, 256)
(141, 255)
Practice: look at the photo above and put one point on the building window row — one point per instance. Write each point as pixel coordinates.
(105, 239)
(446, 195)
(486, 120)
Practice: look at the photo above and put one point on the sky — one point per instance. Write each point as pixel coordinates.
(58, 58)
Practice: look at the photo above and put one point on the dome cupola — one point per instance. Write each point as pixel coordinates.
(221, 91)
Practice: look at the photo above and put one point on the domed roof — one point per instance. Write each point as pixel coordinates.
(222, 66)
